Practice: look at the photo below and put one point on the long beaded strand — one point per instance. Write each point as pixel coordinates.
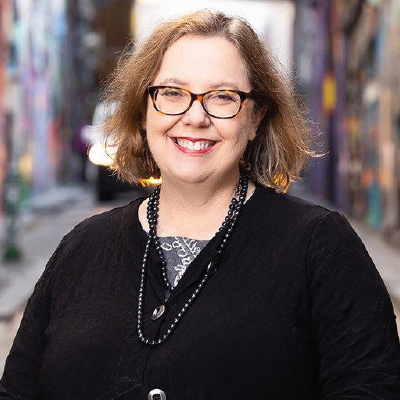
(152, 214)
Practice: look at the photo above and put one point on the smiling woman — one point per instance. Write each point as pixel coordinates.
(281, 146)
(217, 285)
(193, 145)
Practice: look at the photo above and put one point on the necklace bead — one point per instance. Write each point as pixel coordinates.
(152, 239)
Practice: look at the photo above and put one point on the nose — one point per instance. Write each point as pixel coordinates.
(196, 115)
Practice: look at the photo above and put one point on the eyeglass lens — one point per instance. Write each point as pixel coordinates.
(219, 103)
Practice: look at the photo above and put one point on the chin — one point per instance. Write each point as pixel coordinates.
(198, 177)
(188, 176)
(191, 178)
(196, 173)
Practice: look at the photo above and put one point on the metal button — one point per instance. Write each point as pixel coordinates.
(156, 394)
(158, 311)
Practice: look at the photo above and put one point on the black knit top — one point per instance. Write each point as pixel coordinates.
(295, 310)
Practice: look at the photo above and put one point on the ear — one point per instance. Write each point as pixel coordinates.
(257, 118)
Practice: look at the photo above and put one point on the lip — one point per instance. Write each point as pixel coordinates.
(194, 140)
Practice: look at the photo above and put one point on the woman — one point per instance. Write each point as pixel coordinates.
(215, 286)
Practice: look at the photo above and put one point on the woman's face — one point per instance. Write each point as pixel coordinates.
(194, 146)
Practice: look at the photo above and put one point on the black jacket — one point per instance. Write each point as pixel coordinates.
(295, 310)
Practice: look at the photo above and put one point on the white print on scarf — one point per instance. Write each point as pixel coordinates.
(186, 249)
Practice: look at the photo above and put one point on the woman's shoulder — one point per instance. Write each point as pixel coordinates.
(298, 223)
(113, 217)
(98, 233)
(285, 209)
(105, 225)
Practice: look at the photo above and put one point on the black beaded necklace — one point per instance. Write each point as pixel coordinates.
(152, 216)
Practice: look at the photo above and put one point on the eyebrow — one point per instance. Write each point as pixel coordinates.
(225, 84)
(216, 85)
(172, 81)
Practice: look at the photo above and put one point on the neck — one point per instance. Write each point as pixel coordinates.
(195, 196)
(192, 210)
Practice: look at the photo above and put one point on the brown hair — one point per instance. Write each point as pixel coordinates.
(281, 147)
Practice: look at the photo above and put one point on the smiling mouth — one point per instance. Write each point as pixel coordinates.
(194, 145)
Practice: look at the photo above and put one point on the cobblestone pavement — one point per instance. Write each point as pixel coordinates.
(42, 234)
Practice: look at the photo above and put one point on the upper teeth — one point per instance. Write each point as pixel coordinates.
(198, 145)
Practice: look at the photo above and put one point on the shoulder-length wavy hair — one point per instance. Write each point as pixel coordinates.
(281, 147)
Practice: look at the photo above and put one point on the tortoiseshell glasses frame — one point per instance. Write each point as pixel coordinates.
(220, 103)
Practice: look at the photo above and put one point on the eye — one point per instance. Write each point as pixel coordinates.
(172, 93)
(223, 96)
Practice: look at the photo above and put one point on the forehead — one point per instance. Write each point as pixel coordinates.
(203, 62)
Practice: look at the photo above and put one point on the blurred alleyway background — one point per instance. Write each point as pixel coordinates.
(342, 55)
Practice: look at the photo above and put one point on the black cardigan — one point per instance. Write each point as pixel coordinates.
(295, 310)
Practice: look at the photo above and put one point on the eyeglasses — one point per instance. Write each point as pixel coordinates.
(172, 100)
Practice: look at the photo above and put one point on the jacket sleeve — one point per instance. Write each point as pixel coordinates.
(22, 369)
(351, 316)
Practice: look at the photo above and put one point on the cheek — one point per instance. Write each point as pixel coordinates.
(158, 124)
(247, 130)
(155, 145)
(252, 126)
